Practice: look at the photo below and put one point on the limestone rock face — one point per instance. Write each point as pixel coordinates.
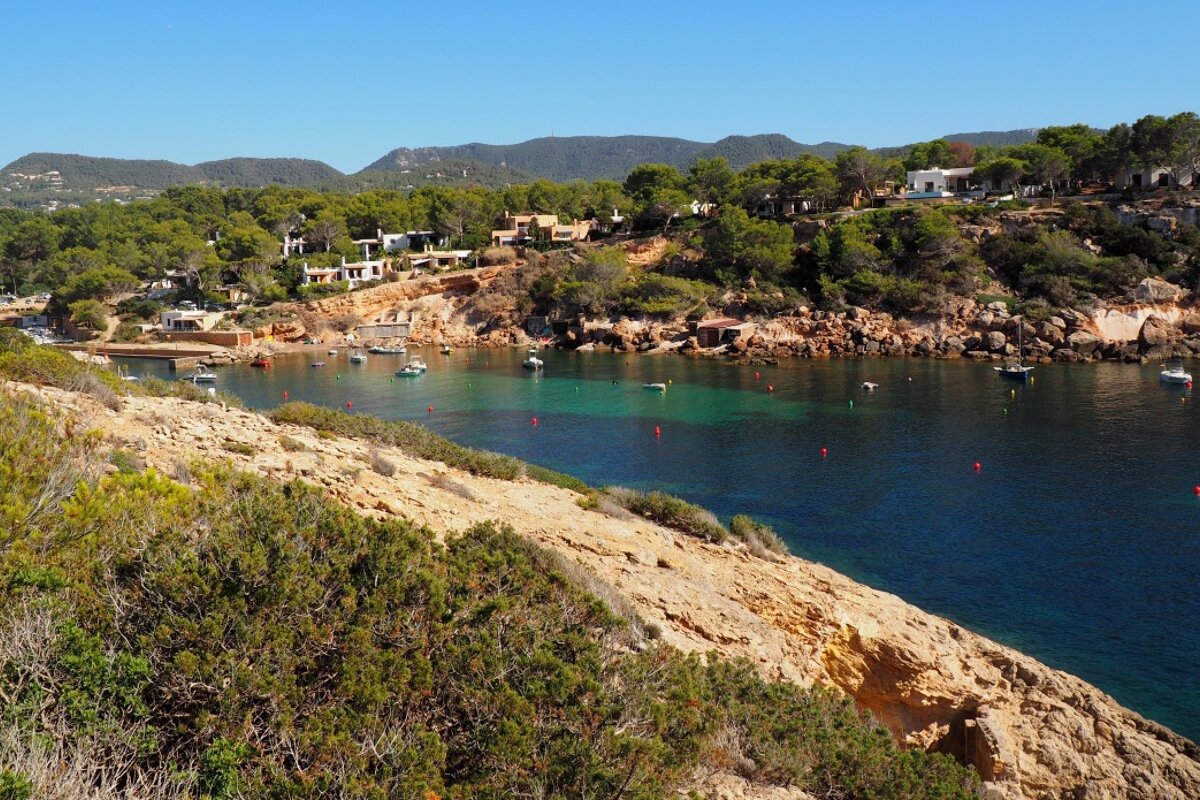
(1153, 290)
(1156, 334)
(996, 342)
(1032, 732)
(1083, 342)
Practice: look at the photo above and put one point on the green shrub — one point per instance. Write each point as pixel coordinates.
(761, 539)
(559, 479)
(126, 461)
(184, 390)
(407, 436)
(241, 448)
(15, 785)
(291, 444)
(670, 511)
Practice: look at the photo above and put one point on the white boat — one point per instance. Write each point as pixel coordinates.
(409, 371)
(533, 362)
(333, 351)
(388, 351)
(417, 363)
(868, 386)
(358, 358)
(1174, 373)
(447, 350)
(202, 374)
(656, 387)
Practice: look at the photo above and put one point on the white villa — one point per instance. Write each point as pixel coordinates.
(353, 273)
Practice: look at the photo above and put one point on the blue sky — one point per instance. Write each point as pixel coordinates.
(346, 82)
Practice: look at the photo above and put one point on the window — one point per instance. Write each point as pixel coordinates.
(929, 186)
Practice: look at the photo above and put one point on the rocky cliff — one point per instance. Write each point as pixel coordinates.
(1033, 732)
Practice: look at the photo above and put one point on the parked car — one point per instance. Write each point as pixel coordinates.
(185, 305)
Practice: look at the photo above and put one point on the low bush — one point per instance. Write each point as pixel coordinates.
(291, 444)
(407, 436)
(670, 511)
(241, 448)
(184, 390)
(762, 540)
(382, 465)
(559, 479)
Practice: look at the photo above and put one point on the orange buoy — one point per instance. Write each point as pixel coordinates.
(824, 452)
(978, 466)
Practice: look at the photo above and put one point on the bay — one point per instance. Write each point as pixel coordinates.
(1077, 541)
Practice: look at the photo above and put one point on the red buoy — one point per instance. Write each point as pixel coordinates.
(770, 388)
(657, 431)
(1196, 490)
(978, 466)
(824, 452)
(285, 394)
(533, 421)
(349, 405)
(756, 376)
(1188, 385)
(430, 409)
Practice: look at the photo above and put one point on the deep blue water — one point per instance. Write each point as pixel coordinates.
(1078, 541)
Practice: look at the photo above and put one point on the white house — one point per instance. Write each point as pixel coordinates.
(937, 182)
(1150, 178)
(353, 273)
(188, 320)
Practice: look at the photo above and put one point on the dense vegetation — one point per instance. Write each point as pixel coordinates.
(728, 228)
(232, 637)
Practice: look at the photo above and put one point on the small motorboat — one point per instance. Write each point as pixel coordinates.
(358, 358)
(417, 363)
(333, 351)
(202, 374)
(409, 371)
(261, 363)
(1175, 373)
(655, 387)
(447, 350)
(868, 386)
(317, 364)
(533, 362)
(388, 351)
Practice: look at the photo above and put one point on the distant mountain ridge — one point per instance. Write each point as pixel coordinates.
(91, 172)
(563, 158)
(556, 158)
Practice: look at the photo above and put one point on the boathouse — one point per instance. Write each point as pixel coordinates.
(713, 332)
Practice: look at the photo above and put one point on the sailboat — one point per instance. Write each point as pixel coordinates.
(1017, 370)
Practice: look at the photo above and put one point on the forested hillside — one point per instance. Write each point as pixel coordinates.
(89, 172)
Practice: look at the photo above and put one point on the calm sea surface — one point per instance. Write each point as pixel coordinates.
(1078, 541)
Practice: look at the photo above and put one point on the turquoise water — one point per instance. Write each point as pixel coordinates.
(1077, 541)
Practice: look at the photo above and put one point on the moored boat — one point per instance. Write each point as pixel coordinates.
(533, 362)
(317, 364)
(202, 374)
(409, 371)
(388, 351)
(261, 363)
(417, 363)
(1174, 372)
(358, 358)
(655, 387)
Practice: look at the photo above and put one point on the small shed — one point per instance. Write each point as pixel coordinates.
(711, 332)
